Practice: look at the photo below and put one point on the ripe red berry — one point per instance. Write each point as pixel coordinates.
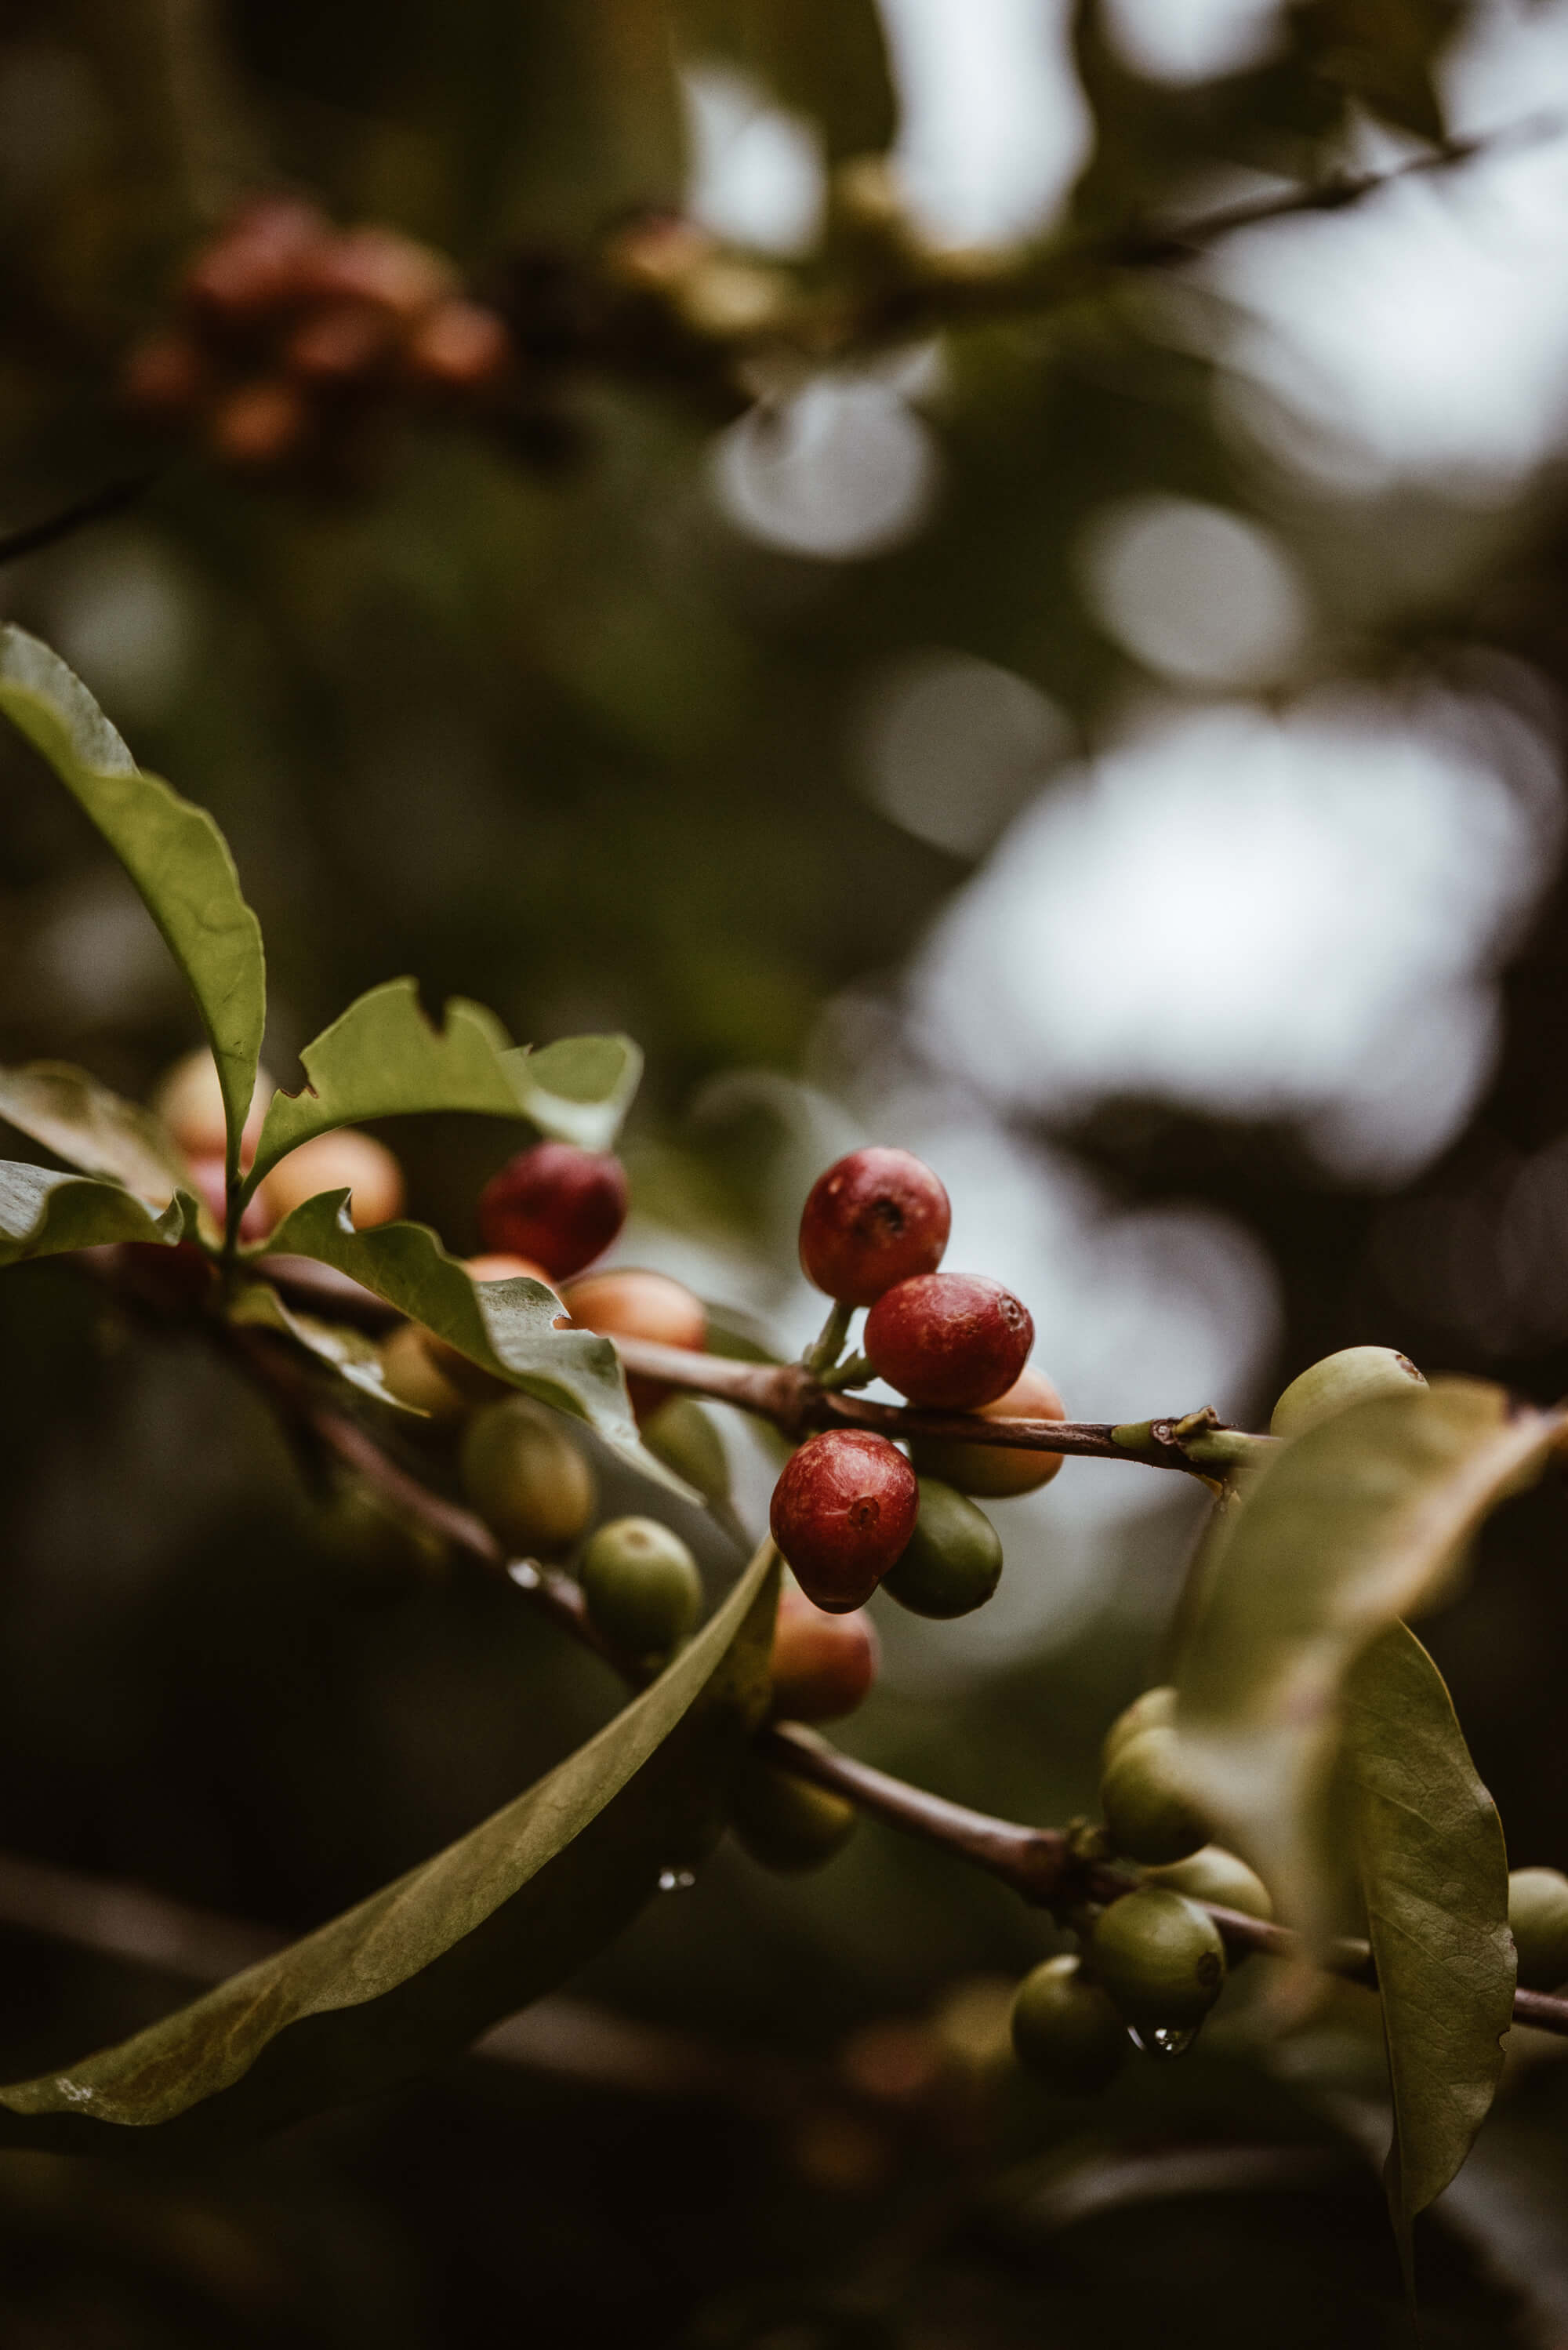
(557, 1204)
(951, 1340)
(842, 1512)
(874, 1219)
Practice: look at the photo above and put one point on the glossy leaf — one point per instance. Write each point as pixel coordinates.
(506, 1326)
(92, 1128)
(578, 1089)
(383, 1057)
(1357, 1523)
(415, 1974)
(43, 1212)
(351, 1353)
(1433, 1870)
(173, 852)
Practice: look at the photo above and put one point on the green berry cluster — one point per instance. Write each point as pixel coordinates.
(1152, 1963)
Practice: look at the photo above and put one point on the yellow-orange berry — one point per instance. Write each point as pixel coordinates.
(822, 1665)
(995, 1472)
(345, 1159)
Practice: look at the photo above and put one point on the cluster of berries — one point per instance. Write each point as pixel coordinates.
(290, 335)
(851, 1511)
(1151, 1964)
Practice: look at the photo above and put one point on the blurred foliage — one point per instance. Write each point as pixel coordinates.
(539, 724)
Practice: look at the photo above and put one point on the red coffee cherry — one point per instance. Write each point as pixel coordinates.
(874, 1217)
(951, 1340)
(557, 1204)
(822, 1665)
(842, 1512)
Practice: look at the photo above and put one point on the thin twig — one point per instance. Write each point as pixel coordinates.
(933, 291)
(786, 1394)
(113, 499)
(1035, 1862)
(1156, 246)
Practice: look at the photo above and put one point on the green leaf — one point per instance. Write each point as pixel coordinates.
(43, 1212)
(95, 1129)
(173, 852)
(578, 1089)
(414, 1974)
(352, 1354)
(506, 1326)
(1356, 1524)
(383, 1057)
(1430, 1853)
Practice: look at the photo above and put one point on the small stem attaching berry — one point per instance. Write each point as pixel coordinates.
(821, 1356)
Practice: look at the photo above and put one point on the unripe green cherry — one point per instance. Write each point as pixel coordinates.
(952, 1563)
(681, 1435)
(784, 1822)
(1068, 2031)
(1154, 1709)
(1353, 1375)
(1538, 1918)
(1160, 1958)
(641, 1585)
(525, 1477)
(412, 1373)
(1148, 1812)
(1218, 1875)
(366, 1532)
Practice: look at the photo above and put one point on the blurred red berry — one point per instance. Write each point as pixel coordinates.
(874, 1217)
(382, 266)
(952, 1340)
(166, 377)
(259, 424)
(842, 1512)
(340, 343)
(258, 261)
(459, 347)
(557, 1204)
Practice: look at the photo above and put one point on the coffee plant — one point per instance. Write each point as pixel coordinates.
(1298, 1794)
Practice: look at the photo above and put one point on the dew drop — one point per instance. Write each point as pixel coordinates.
(676, 1880)
(1163, 2039)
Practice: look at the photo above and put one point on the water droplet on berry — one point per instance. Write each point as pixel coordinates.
(1163, 2039)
